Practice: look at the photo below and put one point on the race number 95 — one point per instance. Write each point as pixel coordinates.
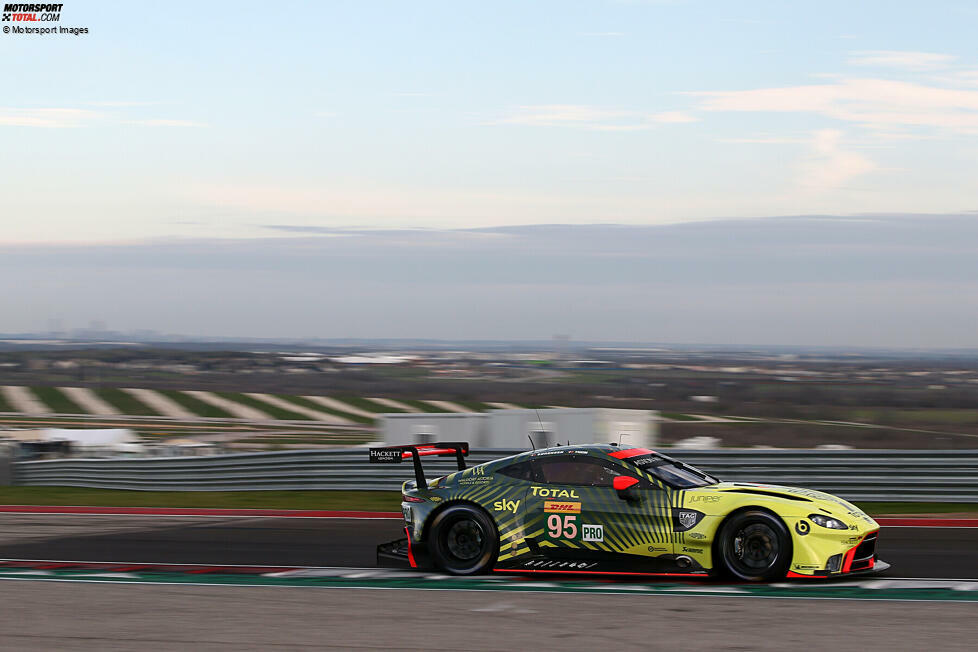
(562, 526)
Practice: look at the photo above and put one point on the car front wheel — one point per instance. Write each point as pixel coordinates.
(755, 546)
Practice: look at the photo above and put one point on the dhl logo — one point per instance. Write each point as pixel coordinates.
(556, 507)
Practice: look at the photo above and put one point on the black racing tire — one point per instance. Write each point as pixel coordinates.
(463, 540)
(754, 546)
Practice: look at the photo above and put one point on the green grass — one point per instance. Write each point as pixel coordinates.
(4, 406)
(57, 401)
(388, 501)
(676, 416)
(267, 408)
(911, 417)
(475, 406)
(304, 402)
(350, 500)
(125, 402)
(423, 406)
(917, 508)
(196, 405)
(368, 405)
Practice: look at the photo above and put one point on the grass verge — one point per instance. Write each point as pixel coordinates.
(195, 405)
(379, 501)
(56, 400)
(125, 402)
(383, 501)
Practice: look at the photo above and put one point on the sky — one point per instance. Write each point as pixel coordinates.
(236, 127)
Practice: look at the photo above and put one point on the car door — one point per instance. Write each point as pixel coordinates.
(574, 512)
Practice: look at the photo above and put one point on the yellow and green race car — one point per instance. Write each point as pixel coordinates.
(605, 510)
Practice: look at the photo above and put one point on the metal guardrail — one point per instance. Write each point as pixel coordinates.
(867, 475)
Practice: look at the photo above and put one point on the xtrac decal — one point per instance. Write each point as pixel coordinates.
(554, 563)
(506, 505)
(547, 492)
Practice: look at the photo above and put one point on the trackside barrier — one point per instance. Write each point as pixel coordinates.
(867, 475)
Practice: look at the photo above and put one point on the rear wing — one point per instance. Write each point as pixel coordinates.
(414, 452)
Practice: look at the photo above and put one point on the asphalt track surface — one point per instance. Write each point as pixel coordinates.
(919, 552)
(76, 616)
(44, 612)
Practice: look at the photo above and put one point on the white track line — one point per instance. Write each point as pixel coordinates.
(504, 406)
(397, 405)
(299, 409)
(89, 401)
(235, 409)
(22, 400)
(161, 403)
(334, 404)
(448, 405)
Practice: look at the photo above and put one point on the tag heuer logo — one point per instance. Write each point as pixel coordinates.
(687, 519)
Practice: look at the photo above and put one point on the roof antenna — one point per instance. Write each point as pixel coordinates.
(539, 421)
(531, 441)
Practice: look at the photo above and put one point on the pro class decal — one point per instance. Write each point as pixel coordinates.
(592, 532)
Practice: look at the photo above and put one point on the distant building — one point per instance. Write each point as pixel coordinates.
(57, 442)
(516, 428)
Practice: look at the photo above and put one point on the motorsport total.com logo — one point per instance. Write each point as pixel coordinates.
(29, 13)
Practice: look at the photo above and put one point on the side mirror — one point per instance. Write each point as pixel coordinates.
(625, 486)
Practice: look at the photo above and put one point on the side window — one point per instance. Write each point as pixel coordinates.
(578, 470)
(519, 471)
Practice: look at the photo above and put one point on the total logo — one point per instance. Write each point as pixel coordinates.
(546, 492)
(506, 505)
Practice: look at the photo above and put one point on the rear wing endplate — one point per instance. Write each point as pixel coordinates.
(414, 452)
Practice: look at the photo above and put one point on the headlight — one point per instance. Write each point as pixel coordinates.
(827, 521)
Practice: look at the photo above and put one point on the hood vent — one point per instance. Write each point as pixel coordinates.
(772, 494)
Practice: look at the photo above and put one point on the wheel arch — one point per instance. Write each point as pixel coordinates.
(426, 526)
(715, 547)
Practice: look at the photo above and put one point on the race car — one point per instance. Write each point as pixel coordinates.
(608, 510)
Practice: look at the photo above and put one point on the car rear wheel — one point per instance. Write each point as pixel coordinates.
(755, 546)
(464, 540)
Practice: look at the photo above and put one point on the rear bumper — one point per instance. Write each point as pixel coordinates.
(403, 553)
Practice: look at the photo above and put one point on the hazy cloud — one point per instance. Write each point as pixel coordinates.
(829, 165)
(903, 60)
(591, 117)
(832, 280)
(877, 103)
(46, 118)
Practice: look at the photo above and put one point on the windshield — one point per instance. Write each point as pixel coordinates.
(672, 472)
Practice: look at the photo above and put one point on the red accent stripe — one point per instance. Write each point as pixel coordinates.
(123, 567)
(631, 452)
(427, 451)
(192, 511)
(851, 554)
(928, 522)
(411, 560)
(793, 574)
(580, 572)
